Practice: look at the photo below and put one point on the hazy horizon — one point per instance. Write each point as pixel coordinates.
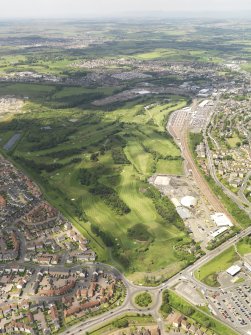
(118, 8)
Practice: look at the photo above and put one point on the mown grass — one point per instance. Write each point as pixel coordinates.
(244, 246)
(208, 272)
(233, 141)
(132, 319)
(129, 128)
(174, 167)
(33, 91)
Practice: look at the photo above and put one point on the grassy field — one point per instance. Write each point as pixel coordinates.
(128, 320)
(208, 272)
(118, 149)
(174, 167)
(246, 67)
(53, 95)
(233, 141)
(180, 55)
(244, 246)
(32, 91)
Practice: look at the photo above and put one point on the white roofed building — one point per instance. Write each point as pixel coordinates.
(176, 202)
(162, 180)
(233, 270)
(221, 220)
(219, 231)
(188, 201)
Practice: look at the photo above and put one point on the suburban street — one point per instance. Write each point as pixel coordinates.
(132, 289)
(239, 200)
(180, 133)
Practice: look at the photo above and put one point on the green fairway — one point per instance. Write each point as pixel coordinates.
(141, 160)
(95, 111)
(118, 150)
(67, 92)
(170, 167)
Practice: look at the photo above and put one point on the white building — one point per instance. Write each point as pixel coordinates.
(221, 220)
(219, 231)
(188, 201)
(233, 270)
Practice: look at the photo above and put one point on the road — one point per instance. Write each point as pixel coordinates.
(179, 133)
(239, 200)
(243, 187)
(132, 289)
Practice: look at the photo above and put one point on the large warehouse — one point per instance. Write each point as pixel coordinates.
(221, 220)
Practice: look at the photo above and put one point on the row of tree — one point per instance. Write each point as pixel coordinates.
(110, 198)
(164, 207)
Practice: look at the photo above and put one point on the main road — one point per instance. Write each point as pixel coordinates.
(180, 133)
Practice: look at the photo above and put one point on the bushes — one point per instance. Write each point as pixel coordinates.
(87, 177)
(195, 139)
(143, 299)
(106, 237)
(165, 208)
(119, 156)
(187, 309)
(165, 307)
(94, 156)
(167, 212)
(139, 232)
(185, 249)
(239, 215)
(38, 167)
(65, 153)
(156, 155)
(111, 199)
(222, 238)
(51, 140)
(122, 323)
(122, 259)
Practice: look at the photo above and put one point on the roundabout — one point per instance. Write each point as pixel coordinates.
(143, 300)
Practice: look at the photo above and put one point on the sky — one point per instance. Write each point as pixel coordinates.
(99, 8)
